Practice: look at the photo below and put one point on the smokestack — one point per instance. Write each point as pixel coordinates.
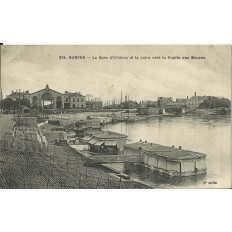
(121, 96)
(125, 98)
(180, 147)
(187, 97)
(195, 95)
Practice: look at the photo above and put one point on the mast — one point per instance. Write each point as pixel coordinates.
(121, 103)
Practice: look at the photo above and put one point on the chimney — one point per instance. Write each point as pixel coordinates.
(173, 146)
(187, 97)
(180, 147)
(195, 94)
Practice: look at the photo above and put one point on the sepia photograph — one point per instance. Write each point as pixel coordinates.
(115, 116)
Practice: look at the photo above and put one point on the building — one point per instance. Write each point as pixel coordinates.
(168, 160)
(149, 111)
(51, 99)
(87, 122)
(106, 142)
(181, 101)
(87, 127)
(16, 95)
(94, 105)
(146, 104)
(162, 101)
(195, 101)
(74, 100)
(104, 120)
(130, 105)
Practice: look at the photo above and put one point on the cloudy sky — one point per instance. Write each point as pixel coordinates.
(32, 67)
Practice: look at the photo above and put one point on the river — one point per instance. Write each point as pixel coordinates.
(211, 136)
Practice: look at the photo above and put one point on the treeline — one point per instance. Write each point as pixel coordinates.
(215, 102)
(9, 104)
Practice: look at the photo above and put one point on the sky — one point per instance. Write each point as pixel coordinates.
(32, 67)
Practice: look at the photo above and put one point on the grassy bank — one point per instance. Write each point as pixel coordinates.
(23, 164)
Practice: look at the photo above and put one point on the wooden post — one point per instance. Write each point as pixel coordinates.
(108, 181)
(10, 180)
(97, 182)
(53, 159)
(52, 169)
(76, 170)
(41, 167)
(76, 179)
(48, 180)
(66, 177)
(67, 167)
(24, 182)
(180, 169)
(80, 181)
(28, 161)
(61, 184)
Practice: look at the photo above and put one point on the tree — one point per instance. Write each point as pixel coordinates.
(7, 104)
(10, 104)
(215, 102)
(24, 102)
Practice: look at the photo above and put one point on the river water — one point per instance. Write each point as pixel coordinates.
(211, 136)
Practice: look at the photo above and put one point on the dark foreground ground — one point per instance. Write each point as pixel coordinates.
(24, 165)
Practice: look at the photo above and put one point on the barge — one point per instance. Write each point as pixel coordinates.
(168, 160)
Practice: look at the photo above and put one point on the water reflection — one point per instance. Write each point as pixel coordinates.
(154, 178)
(209, 135)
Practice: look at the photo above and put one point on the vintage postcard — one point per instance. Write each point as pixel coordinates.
(115, 116)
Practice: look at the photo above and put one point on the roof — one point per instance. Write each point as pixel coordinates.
(87, 138)
(89, 127)
(139, 145)
(111, 143)
(45, 90)
(99, 143)
(109, 135)
(74, 94)
(93, 141)
(165, 151)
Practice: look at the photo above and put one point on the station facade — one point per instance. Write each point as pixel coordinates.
(57, 100)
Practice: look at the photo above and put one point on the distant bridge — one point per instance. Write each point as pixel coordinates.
(101, 159)
(175, 109)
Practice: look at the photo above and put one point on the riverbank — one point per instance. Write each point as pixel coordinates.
(6, 123)
(24, 164)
